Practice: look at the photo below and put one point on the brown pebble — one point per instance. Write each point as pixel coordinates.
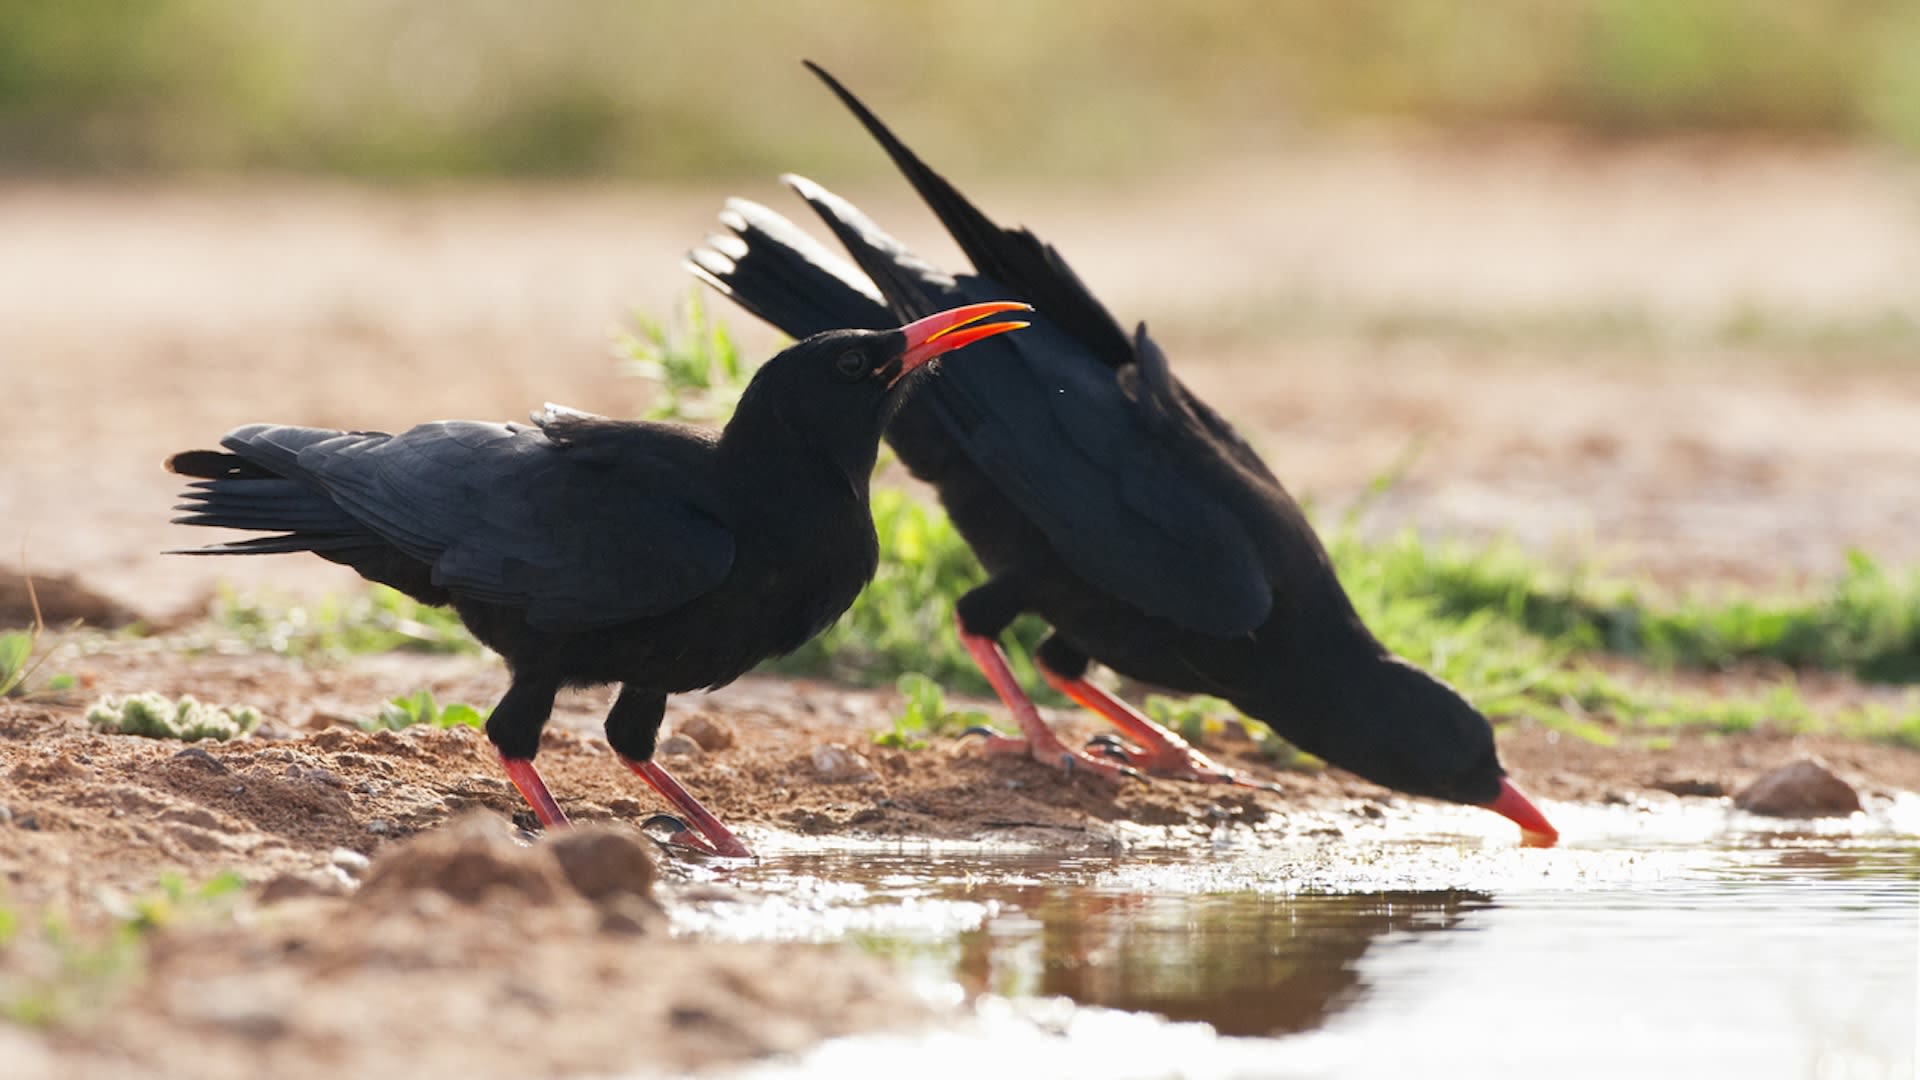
(603, 864)
(837, 764)
(677, 745)
(1803, 789)
(711, 734)
(469, 860)
(294, 886)
(1711, 789)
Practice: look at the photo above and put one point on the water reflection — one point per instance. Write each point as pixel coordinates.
(1752, 952)
(1247, 963)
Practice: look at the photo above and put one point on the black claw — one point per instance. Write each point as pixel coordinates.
(1107, 738)
(665, 823)
(981, 730)
(1113, 749)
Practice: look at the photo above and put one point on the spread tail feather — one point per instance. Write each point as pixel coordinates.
(1017, 259)
(770, 267)
(256, 485)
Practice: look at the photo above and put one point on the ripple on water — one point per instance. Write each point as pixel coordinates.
(1695, 942)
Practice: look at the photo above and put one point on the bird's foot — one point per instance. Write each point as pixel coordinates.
(527, 779)
(701, 831)
(1049, 750)
(1148, 746)
(1175, 759)
(671, 832)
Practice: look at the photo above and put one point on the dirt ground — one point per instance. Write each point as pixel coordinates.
(135, 322)
(394, 919)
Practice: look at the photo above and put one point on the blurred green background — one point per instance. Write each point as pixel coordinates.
(584, 88)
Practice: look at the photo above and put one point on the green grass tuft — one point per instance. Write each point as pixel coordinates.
(925, 715)
(1866, 623)
(50, 974)
(419, 708)
(155, 716)
(16, 649)
(378, 619)
(692, 359)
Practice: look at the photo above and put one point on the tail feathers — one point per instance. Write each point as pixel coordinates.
(259, 486)
(276, 448)
(1015, 258)
(780, 274)
(913, 286)
(276, 545)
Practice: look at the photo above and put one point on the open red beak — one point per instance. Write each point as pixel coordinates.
(1535, 831)
(949, 330)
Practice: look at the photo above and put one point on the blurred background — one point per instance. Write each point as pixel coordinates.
(390, 89)
(1627, 279)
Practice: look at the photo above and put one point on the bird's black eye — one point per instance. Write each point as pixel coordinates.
(851, 364)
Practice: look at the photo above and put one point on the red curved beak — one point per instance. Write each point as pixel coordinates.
(1535, 830)
(950, 330)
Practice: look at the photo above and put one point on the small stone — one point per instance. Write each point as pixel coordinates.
(603, 864)
(712, 735)
(193, 755)
(626, 918)
(624, 806)
(470, 860)
(1803, 789)
(354, 863)
(837, 764)
(379, 826)
(1711, 789)
(294, 886)
(676, 745)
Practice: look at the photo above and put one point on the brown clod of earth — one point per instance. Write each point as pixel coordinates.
(711, 734)
(1803, 789)
(62, 599)
(602, 864)
(472, 859)
(835, 763)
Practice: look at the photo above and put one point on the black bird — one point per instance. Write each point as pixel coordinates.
(1104, 496)
(585, 550)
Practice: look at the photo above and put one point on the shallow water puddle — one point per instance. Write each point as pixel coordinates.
(1684, 941)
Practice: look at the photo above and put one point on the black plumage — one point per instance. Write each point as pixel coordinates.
(1103, 495)
(585, 550)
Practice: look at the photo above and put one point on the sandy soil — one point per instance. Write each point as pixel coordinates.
(135, 322)
(459, 950)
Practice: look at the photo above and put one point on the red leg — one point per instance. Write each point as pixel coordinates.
(718, 839)
(527, 779)
(1162, 752)
(1037, 741)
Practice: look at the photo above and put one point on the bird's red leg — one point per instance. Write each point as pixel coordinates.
(1161, 752)
(1037, 739)
(527, 779)
(718, 839)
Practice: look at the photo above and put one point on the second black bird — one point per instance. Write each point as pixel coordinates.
(1104, 496)
(586, 551)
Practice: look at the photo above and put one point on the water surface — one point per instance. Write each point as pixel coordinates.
(1688, 942)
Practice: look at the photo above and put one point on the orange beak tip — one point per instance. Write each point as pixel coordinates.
(1535, 830)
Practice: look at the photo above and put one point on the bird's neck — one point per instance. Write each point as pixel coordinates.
(787, 470)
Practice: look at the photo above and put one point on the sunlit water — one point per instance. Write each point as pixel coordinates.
(1686, 942)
